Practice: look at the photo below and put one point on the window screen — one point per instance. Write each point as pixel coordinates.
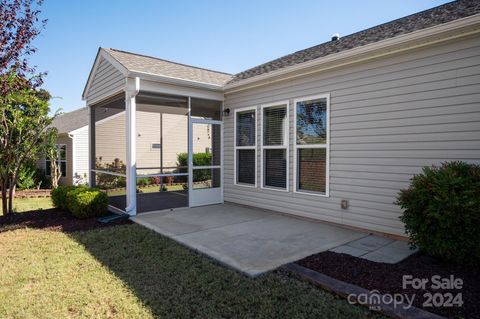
(245, 147)
(312, 169)
(275, 141)
(311, 129)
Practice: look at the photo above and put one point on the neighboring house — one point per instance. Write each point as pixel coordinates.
(332, 132)
(72, 142)
(153, 131)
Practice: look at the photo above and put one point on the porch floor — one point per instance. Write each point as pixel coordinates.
(250, 240)
(148, 202)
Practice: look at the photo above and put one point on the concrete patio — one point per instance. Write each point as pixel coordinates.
(250, 240)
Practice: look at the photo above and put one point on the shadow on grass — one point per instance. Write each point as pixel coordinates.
(174, 281)
(49, 219)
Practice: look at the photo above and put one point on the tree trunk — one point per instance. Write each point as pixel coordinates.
(4, 198)
(10, 197)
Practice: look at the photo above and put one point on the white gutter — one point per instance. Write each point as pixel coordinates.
(440, 33)
(174, 80)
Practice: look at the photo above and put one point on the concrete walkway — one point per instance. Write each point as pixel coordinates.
(250, 240)
(377, 249)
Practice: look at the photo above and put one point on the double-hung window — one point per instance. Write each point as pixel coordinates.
(246, 146)
(62, 160)
(312, 145)
(275, 146)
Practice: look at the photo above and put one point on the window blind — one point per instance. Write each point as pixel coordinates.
(275, 141)
(245, 147)
(246, 166)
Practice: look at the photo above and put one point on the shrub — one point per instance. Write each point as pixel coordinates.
(442, 211)
(199, 159)
(26, 177)
(143, 181)
(59, 196)
(85, 202)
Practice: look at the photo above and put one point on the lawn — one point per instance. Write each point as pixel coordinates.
(21, 205)
(127, 271)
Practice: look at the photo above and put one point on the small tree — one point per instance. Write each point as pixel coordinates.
(19, 25)
(24, 129)
(53, 154)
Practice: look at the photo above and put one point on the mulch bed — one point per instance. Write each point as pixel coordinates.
(33, 193)
(52, 220)
(387, 278)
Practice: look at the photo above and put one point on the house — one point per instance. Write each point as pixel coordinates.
(152, 133)
(72, 143)
(330, 133)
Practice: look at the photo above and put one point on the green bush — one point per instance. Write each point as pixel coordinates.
(143, 181)
(27, 177)
(442, 211)
(199, 159)
(59, 196)
(83, 202)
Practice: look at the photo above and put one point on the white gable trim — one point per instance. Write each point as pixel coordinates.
(102, 54)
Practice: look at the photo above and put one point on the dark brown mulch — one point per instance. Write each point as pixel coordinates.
(387, 278)
(52, 220)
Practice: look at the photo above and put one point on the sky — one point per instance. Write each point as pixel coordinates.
(228, 36)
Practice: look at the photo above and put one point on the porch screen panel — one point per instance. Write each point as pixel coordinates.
(275, 145)
(311, 145)
(245, 146)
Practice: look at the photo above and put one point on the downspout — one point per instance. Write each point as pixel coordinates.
(71, 137)
(131, 92)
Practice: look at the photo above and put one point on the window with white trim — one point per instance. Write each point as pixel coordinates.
(312, 145)
(245, 147)
(275, 146)
(62, 159)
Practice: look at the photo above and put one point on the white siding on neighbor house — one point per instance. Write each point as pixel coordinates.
(107, 80)
(389, 118)
(80, 151)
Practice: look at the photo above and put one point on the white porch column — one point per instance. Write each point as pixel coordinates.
(190, 152)
(132, 89)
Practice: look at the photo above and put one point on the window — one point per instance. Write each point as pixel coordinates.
(275, 146)
(312, 145)
(246, 147)
(62, 158)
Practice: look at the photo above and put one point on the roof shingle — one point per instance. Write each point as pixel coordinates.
(143, 63)
(418, 21)
(68, 122)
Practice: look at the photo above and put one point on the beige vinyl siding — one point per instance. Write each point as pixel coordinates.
(81, 153)
(110, 139)
(389, 118)
(107, 80)
(41, 164)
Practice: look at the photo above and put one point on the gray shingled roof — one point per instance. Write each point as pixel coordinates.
(422, 20)
(71, 121)
(143, 63)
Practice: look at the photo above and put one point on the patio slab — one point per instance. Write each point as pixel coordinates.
(377, 249)
(250, 240)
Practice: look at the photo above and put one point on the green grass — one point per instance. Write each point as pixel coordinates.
(21, 205)
(131, 272)
(149, 189)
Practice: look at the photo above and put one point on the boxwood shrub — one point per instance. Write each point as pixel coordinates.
(441, 211)
(59, 196)
(85, 202)
(80, 201)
